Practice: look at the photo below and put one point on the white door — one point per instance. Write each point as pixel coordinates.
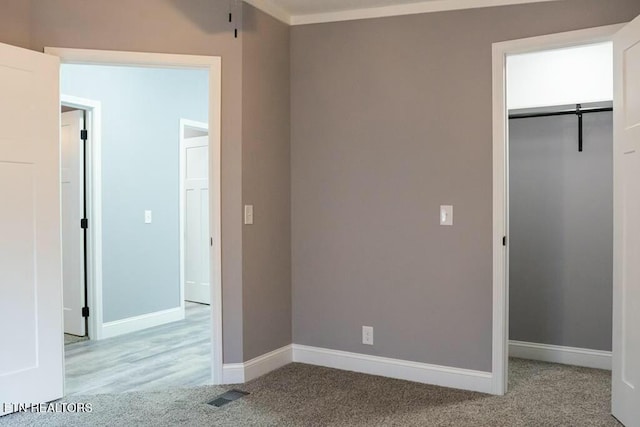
(72, 191)
(626, 280)
(195, 193)
(31, 366)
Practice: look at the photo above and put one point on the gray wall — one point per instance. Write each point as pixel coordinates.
(266, 183)
(390, 119)
(141, 112)
(560, 231)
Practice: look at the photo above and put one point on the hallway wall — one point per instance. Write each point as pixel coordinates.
(141, 112)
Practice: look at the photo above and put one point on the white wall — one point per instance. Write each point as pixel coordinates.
(558, 77)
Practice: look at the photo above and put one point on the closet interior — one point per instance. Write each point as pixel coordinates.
(561, 225)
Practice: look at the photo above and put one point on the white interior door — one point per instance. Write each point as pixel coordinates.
(31, 366)
(72, 192)
(195, 189)
(626, 281)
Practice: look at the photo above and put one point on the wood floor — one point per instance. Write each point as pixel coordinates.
(70, 339)
(174, 355)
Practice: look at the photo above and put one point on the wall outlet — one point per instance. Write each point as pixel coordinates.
(367, 335)
(147, 217)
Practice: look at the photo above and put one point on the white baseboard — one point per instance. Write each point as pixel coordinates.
(395, 368)
(559, 354)
(232, 373)
(236, 373)
(138, 323)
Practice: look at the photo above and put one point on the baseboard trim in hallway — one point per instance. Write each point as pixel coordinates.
(138, 323)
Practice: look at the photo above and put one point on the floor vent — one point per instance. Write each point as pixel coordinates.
(228, 397)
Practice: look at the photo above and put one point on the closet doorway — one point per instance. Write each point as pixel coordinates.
(553, 200)
(560, 205)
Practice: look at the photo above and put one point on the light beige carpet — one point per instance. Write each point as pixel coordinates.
(541, 394)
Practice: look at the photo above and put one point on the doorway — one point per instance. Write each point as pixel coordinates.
(96, 273)
(194, 212)
(501, 201)
(73, 196)
(80, 197)
(140, 248)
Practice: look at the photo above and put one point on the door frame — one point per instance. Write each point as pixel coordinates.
(185, 123)
(213, 64)
(93, 201)
(500, 51)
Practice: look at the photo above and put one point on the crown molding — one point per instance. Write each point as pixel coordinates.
(403, 9)
(269, 7)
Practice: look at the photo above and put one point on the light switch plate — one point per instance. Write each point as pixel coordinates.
(446, 215)
(147, 217)
(248, 214)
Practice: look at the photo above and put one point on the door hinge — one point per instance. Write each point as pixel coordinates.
(84, 135)
(211, 241)
(84, 223)
(85, 311)
(504, 241)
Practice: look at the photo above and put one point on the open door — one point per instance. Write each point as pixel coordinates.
(195, 188)
(73, 234)
(31, 365)
(626, 269)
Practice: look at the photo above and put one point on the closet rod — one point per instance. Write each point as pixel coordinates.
(560, 113)
(578, 111)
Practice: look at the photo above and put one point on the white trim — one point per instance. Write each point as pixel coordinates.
(560, 354)
(500, 314)
(268, 362)
(184, 123)
(233, 373)
(138, 323)
(500, 166)
(270, 8)
(94, 208)
(132, 59)
(213, 64)
(444, 376)
(237, 373)
(403, 9)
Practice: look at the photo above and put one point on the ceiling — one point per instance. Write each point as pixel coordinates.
(298, 12)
